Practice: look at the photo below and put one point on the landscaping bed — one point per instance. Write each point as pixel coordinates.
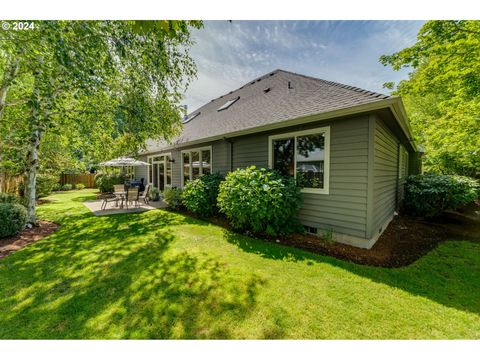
(26, 237)
(405, 240)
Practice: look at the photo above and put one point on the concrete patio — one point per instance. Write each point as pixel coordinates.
(95, 206)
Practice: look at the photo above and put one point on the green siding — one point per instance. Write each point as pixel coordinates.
(343, 210)
(385, 175)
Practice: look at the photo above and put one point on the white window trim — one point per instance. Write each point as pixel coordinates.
(199, 149)
(326, 161)
(149, 181)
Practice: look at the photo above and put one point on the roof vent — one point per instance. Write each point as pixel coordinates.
(187, 119)
(290, 85)
(266, 90)
(228, 104)
(271, 74)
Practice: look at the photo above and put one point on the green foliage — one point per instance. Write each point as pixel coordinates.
(173, 197)
(105, 182)
(155, 194)
(442, 94)
(80, 92)
(79, 186)
(7, 198)
(57, 187)
(67, 187)
(13, 218)
(200, 195)
(430, 195)
(260, 200)
(45, 184)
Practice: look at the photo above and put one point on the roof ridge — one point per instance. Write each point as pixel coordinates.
(334, 83)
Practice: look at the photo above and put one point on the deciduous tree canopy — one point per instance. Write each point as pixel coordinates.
(442, 94)
(87, 90)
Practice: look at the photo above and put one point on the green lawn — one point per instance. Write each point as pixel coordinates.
(163, 275)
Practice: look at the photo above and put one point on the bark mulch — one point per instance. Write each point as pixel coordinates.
(26, 237)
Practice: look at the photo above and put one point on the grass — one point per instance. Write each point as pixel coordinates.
(163, 275)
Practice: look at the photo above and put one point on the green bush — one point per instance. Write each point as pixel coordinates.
(173, 198)
(57, 187)
(200, 195)
(13, 218)
(260, 200)
(67, 187)
(430, 195)
(79, 186)
(154, 194)
(7, 198)
(105, 182)
(45, 184)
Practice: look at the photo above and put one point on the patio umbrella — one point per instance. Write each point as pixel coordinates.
(124, 161)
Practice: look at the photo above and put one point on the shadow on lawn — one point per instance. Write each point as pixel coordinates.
(92, 283)
(448, 275)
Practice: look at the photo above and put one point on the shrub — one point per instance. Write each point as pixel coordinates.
(260, 200)
(105, 182)
(430, 195)
(7, 198)
(57, 187)
(67, 187)
(79, 186)
(45, 184)
(13, 218)
(173, 198)
(154, 194)
(200, 195)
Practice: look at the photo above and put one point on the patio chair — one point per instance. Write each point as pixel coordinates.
(108, 198)
(146, 194)
(132, 196)
(119, 188)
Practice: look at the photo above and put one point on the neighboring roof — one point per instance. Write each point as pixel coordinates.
(269, 100)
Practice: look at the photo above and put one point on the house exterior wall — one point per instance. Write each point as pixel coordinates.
(343, 210)
(364, 169)
(388, 177)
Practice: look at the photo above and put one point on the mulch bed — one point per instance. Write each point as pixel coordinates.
(405, 240)
(26, 237)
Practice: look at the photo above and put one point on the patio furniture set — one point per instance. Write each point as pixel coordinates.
(122, 196)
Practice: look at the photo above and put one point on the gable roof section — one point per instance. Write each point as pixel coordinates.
(289, 96)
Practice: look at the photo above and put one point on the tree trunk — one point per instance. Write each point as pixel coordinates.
(8, 77)
(32, 164)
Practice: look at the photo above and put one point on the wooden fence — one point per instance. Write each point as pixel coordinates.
(10, 184)
(86, 179)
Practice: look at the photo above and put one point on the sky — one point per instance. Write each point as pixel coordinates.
(230, 54)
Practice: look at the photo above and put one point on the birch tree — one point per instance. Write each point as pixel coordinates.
(143, 66)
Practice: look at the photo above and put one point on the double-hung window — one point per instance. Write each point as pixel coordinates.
(195, 163)
(304, 155)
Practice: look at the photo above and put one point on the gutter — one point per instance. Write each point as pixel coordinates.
(393, 103)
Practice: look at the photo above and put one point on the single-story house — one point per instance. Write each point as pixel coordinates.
(350, 148)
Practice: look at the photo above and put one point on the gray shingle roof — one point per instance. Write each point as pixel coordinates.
(257, 107)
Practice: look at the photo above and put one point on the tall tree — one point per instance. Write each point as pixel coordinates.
(442, 94)
(138, 69)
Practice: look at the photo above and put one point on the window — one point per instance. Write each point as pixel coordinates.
(228, 104)
(195, 163)
(304, 155)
